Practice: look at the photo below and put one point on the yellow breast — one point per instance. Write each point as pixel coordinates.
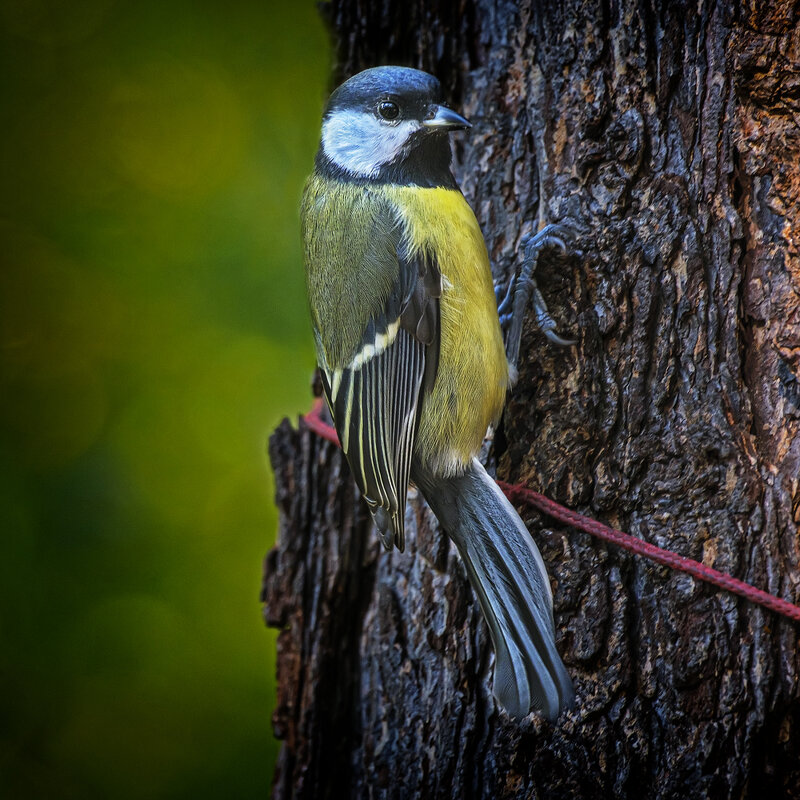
(472, 379)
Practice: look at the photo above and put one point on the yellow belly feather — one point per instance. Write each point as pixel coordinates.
(472, 380)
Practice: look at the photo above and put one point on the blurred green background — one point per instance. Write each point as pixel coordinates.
(154, 331)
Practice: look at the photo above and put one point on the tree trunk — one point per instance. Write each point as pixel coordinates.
(669, 137)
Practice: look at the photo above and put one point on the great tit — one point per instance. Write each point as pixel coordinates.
(411, 354)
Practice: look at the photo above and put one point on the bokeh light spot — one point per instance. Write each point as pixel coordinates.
(177, 127)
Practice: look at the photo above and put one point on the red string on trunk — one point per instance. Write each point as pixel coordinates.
(522, 494)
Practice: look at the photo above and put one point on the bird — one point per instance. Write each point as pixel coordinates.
(412, 356)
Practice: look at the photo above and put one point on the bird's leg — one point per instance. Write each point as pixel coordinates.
(523, 287)
(505, 301)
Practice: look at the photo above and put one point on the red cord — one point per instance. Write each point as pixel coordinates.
(521, 494)
(314, 421)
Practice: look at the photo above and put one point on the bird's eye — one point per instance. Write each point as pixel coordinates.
(388, 110)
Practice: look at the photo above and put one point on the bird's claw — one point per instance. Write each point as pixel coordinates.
(552, 235)
(547, 325)
(521, 288)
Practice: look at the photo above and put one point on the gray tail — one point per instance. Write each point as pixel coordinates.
(508, 575)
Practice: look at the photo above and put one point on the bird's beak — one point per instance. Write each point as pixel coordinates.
(443, 118)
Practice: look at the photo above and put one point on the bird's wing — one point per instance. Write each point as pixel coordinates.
(375, 398)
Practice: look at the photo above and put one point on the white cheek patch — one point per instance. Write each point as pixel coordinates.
(358, 142)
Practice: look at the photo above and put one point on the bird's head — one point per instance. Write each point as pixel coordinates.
(388, 121)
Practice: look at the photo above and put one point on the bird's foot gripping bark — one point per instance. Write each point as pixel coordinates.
(522, 287)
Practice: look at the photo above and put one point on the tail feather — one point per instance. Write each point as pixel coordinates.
(507, 573)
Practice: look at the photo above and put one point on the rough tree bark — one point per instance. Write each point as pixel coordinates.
(669, 135)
